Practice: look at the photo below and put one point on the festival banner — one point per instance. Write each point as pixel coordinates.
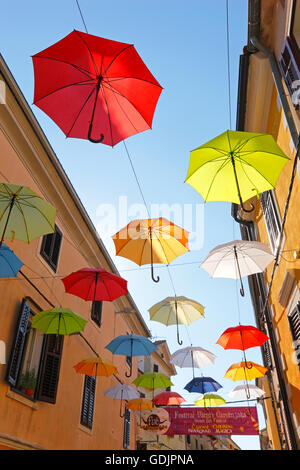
(201, 421)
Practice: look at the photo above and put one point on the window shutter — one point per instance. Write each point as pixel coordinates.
(50, 248)
(50, 368)
(294, 322)
(18, 346)
(88, 401)
(288, 63)
(272, 217)
(155, 368)
(96, 313)
(126, 433)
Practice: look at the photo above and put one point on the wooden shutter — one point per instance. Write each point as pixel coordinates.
(88, 401)
(96, 313)
(18, 346)
(294, 322)
(51, 359)
(289, 64)
(126, 433)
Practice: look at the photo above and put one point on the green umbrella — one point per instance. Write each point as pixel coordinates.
(152, 380)
(58, 321)
(210, 399)
(235, 166)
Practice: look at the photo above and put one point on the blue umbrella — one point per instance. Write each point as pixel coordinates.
(10, 264)
(131, 345)
(202, 385)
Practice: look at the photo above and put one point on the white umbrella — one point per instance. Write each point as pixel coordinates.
(122, 392)
(246, 392)
(237, 259)
(192, 356)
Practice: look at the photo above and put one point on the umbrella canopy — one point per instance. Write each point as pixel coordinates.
(202, 385)
(23, 214)
(122, 392)
(175, 311)
(148, 241)
(168, 399)
(210, 399)
(235, 166)
(95, 284)
(152, 380)
(95, 366)
(245, 371)
(10, 264)
(244, 392)
(58, 321)
(95, 88)
(131, 345)
(192, 356)
(237, 259)
(139, 404)
(242, 337)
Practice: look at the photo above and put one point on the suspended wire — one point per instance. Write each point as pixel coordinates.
(228, 63)
(81, 16)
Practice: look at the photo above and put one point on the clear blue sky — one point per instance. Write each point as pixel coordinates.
(184, 46)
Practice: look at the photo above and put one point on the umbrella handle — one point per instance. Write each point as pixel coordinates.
(151, 252)
(178, 340)
(238, 187)
(242, 292)
(8, 216)
(90, 138)
(152, 275)
(131, 350)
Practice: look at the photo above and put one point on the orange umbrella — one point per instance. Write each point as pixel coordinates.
(245, 371)
(140, 404)
(95, 367)
(148, 241)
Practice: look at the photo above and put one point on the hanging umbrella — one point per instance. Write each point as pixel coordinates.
(152, 380)
(168, 399)
(237, 259)
(95, 88)
(192, 356)
(243, 371)
(122, 392)
(210, 399)
(202, 385)
(10, 264)
(175, 311)
(148, 241)
(95, 366)
(245, 392)
(131, 345)
(58, 321)
(140, 404)
(23, 214)
(95, 284)
(235, 166)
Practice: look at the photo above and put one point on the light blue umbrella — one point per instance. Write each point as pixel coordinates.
(10, 264)
(131, 345)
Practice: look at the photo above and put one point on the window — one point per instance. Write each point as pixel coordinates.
(51, 247)
(88, 401)
(155, 368)
(34, 363)
(272, 218)
(294, 322)
(126, 432)
(96, 314)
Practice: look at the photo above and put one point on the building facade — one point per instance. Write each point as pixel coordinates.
(268, 103)
(44, 403)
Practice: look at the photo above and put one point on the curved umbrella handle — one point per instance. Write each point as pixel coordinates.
(238, 187)
(247, 210)
(131, 353)
(151, 253)
(130, 373)
(90, 138)
(242, 292)
(152, 274)
(178, 340)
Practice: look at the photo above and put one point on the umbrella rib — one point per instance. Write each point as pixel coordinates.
(115, 79)
(90, 52)
(80, 69)
(35, 208)
(110, 125)
(84, 82)
(116, 56)
(79, 112)
(213, 179)
(24, 220)
(246, 163)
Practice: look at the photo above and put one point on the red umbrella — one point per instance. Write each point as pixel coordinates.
(95, 88)
(242, 337)
(95, 284)
(168, 398)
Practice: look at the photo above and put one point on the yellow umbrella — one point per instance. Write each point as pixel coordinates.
(23, 214)
(245, 371)
(140, 404)
(210, 399)
(148, 241)
(176, 310)
(95, 367)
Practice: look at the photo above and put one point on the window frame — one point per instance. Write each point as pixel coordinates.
(89, 395)
(96, 312)
(49, 257)
(295, 334)
(271, 214)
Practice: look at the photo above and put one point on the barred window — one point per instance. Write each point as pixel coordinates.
(272, 218)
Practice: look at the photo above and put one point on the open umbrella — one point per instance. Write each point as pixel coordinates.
(148, 241)
(23, 214)
(152, 380)
(235, 166)
(95, 366)
(237, 259)
(192, 356)
(168, 399)
(122, 392)
(175, 311)
(210, 399)
(241, 371)
(202, 385)
(95, 284)
(131, 345)
(58, 321)
(95, 88)
(246, 391)
(140, 404)
(10, 264)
